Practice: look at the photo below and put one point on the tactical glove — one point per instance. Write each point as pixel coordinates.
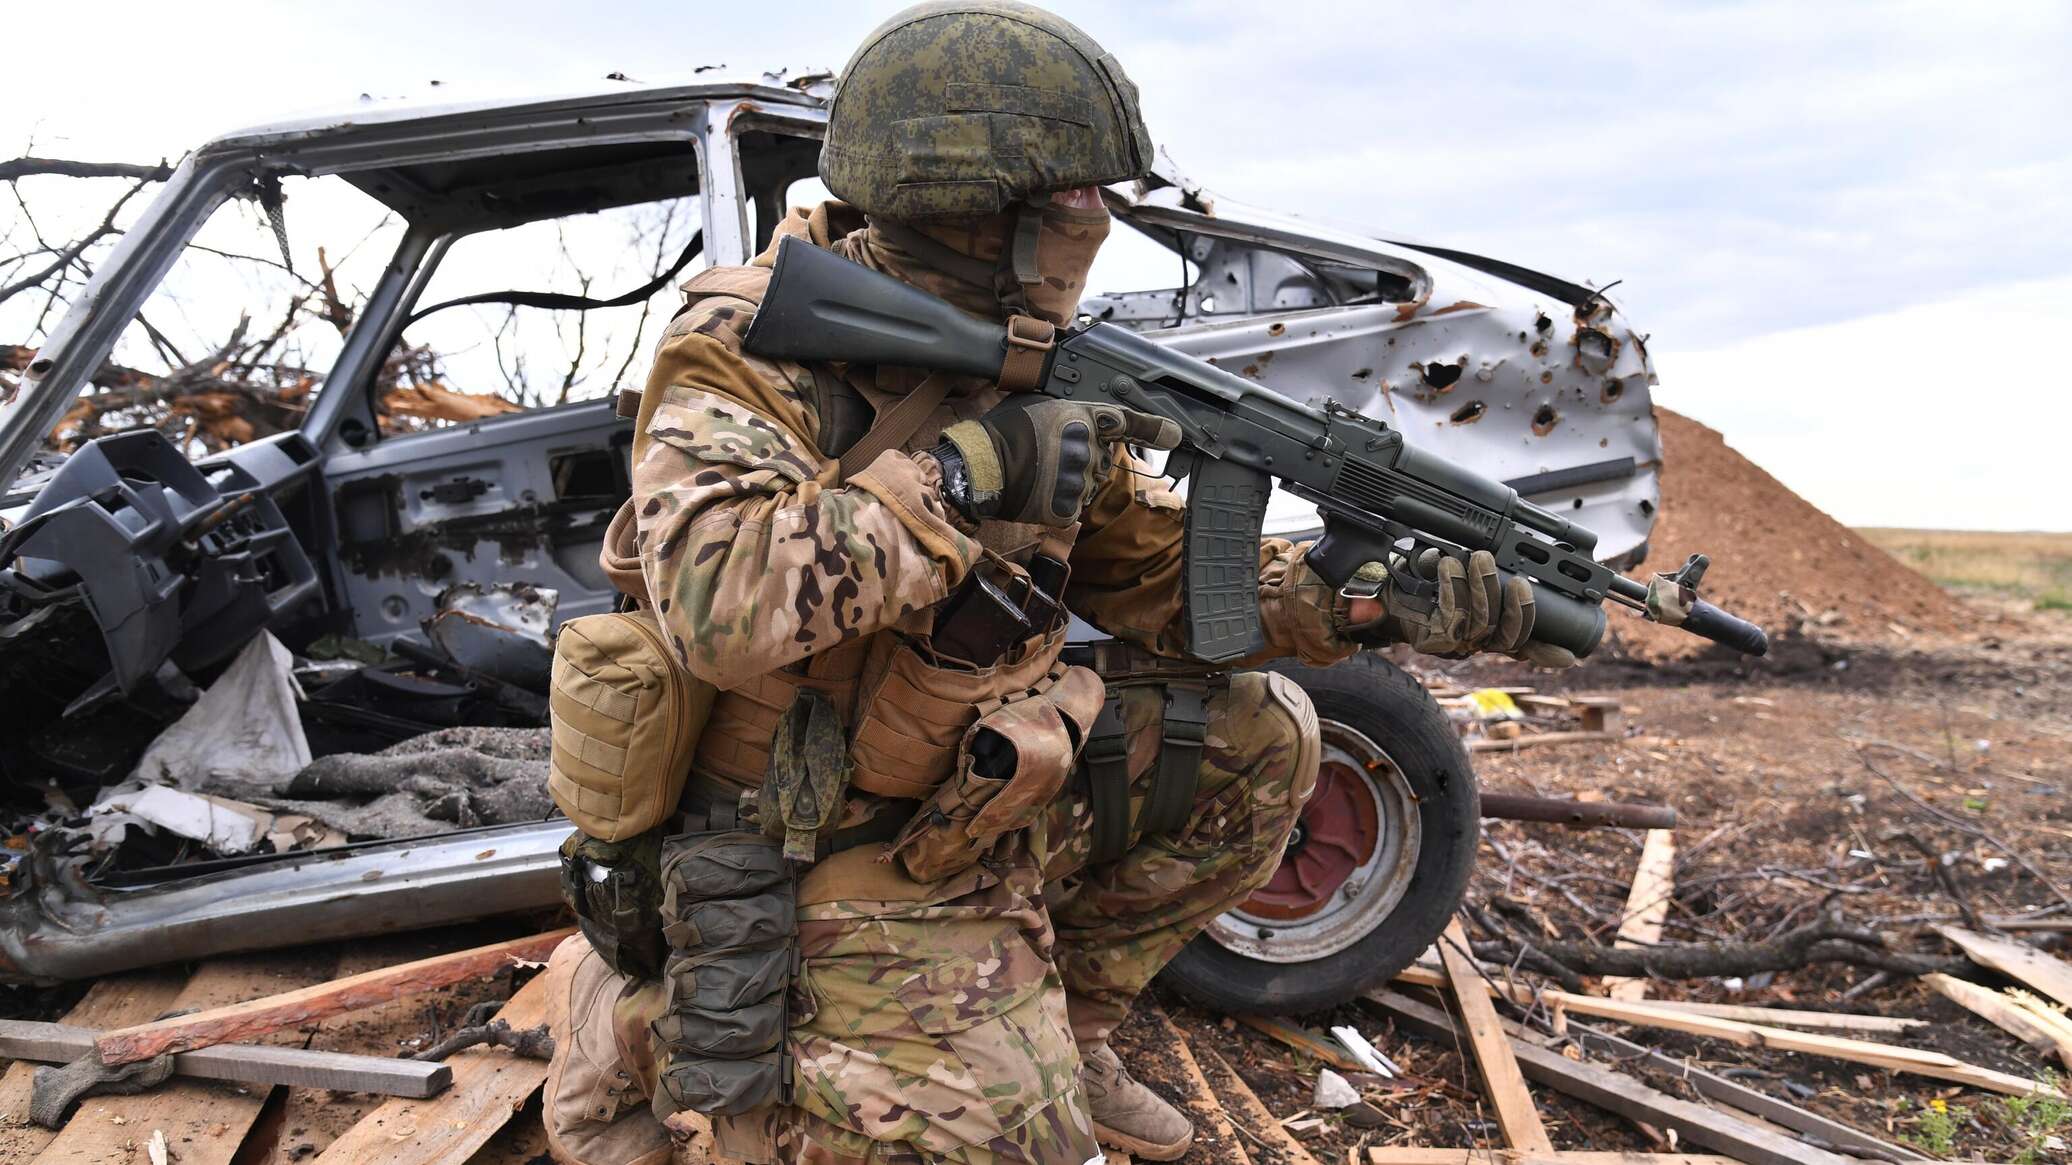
(1474, 610)
(1036, 459)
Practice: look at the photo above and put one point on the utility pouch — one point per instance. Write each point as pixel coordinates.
(729, 920)
(615, 889)
(1010, 766)
(626, 718)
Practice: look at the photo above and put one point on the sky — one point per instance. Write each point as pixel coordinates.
(1843, 226)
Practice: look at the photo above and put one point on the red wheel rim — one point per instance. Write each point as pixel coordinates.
(1339, 832)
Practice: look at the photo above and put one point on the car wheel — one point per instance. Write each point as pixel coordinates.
(1374, 868)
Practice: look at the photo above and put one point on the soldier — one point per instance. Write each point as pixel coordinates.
(830, 548)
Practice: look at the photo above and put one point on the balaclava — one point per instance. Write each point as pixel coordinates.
(1032, 259)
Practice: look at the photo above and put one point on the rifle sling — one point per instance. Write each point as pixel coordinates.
(893, 426)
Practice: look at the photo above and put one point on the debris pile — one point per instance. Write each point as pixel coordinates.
(1777, 560)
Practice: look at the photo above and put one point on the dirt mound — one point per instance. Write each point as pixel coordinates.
(1776, 558)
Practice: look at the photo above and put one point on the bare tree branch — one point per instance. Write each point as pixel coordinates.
(28, 167)
(72, 252)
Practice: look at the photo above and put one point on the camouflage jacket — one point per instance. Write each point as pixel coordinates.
(755, 558)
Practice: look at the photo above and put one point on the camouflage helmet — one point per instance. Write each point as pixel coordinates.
(959, 108)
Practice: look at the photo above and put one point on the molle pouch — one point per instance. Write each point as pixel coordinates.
(615, 889)
(1010, 766)
(729, 921)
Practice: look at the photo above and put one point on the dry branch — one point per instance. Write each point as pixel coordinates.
(65, 168)
(1828, 939)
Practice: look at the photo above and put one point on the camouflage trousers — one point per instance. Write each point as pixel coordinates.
(943, 1021)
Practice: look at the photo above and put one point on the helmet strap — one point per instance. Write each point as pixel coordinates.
(1018, 270)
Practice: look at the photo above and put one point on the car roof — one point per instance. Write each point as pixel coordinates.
(805, 90)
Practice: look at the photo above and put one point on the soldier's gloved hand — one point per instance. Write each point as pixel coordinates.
(1473, 611)
(1036, 459)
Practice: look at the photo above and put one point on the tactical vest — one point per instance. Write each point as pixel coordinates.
(906, 712)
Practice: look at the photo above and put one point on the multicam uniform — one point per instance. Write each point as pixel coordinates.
(938, 1019)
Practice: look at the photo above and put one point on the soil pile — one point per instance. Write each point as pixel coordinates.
(1776, 558)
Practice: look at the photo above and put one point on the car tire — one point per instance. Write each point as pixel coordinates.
(1306, 943)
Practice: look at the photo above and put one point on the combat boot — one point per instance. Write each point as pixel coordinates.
(1127, 1115)
(595, 1112)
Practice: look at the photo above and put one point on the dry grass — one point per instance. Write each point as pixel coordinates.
(2036, 567)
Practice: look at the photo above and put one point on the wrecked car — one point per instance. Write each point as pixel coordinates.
(134, 578)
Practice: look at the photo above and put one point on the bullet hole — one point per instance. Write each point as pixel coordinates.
(1363, 374)
(1613, 390)
(1440, 377)
(1578, 505)
(1543, 325)
(39, 366)
(1595, 351)
(1544, 419)
(1647, 508)
(1277, 330)
(1539, 348)
(1547, 377)
(1208, 303)
(1469, 413)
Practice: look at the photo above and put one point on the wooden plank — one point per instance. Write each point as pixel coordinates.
(204, 1121)
(1647, 906)
(1515, 1113)
(1200, 1102)
(1994, 1008)
(489, 1086)
(1250, 1111)
(2047, 974)
(1652, 1013)
(58, 1043)
(1517, 743)
(1790, 1017)
(1746, 1102)
(1751, 1035)
(241, 1021)
(1418, 975)
(1616, 1092)
(1486, 1157)
(1396, 1156)
(111, 1002)
(1300, 1040)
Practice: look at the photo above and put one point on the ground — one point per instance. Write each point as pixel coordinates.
(1797, 781)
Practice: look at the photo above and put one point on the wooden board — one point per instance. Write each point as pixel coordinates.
(1617, 1092)
(1515, 1113)
(1422, 976)
(1302, 1041)
(1200, 1102)
(1746, 1102)
(1238, 1097)
(1654, 1013)
(241, 1021)
(1484, 1157)
(1517, 743)
(2048, 974)
(489, 1086)
(1647, 906)
(111, 1002)
(57, 1043)
(2031, 1027)
(204, 1121)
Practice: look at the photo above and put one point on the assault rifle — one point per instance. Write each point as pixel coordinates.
(1381, 500)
